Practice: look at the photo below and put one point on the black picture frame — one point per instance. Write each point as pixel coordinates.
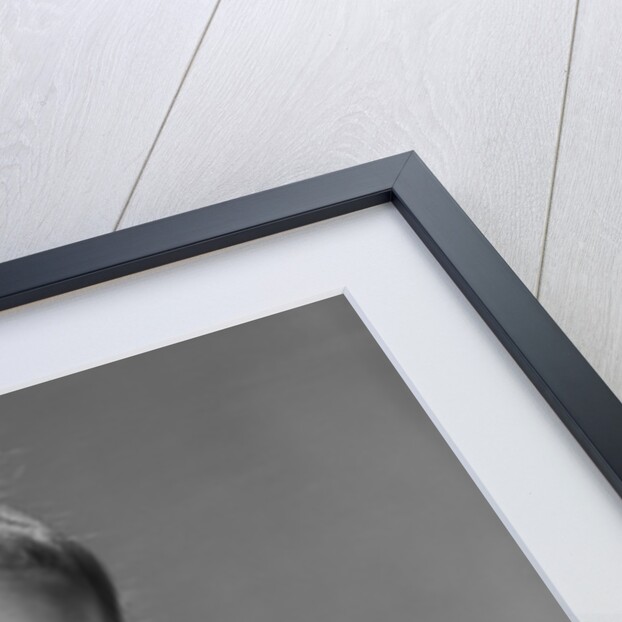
(572, 388)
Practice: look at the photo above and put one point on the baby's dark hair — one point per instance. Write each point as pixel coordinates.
(29, 546)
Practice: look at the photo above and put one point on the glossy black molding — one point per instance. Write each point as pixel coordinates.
(581, 399)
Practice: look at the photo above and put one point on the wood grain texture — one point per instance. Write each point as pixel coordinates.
(280, 92)
(582, 275)
(84, 87)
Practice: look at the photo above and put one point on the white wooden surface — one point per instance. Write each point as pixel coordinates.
(582, 276)
(84, 87)
(549, 494)
(282, 91)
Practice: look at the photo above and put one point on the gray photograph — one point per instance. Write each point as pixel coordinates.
(276, 471)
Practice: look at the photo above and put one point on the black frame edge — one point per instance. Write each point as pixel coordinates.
(572, 388)
(120, 253)
(569, 384)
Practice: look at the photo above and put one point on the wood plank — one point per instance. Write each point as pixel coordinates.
(282, 92)
(84, 87)
(582, 276)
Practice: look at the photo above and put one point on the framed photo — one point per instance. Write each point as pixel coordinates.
(332, 399)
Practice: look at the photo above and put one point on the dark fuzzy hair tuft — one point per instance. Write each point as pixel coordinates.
(27, 545)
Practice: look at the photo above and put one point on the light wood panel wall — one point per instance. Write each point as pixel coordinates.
(582, 275)
(282, 91)
(84, 87)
